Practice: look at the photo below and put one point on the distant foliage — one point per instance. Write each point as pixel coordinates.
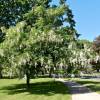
(96, 44)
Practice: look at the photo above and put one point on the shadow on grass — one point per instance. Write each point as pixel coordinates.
(46, 88)
(94, 86)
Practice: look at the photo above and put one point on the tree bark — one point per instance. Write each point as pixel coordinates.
(1, 73)
(51, 71)
(98, 70)
(28, 80)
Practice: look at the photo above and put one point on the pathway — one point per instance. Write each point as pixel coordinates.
(80, 92)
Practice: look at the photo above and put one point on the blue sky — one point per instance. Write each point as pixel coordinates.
(87, 17)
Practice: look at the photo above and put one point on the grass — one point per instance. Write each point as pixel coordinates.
(40, 89)
(94, 85)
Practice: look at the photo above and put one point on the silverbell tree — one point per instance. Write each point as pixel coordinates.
(11, 12)
(40, 42)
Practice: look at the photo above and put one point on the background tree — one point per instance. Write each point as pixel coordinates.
(82, 54)
(96, 44)
(96, 47)
(12, 11)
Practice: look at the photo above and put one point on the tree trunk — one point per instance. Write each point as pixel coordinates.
(0, 73)
(98, 70)
(51, 71)
(28, 80)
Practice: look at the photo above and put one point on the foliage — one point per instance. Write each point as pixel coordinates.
(96, 47)
(96, 64)
(12, 11)
(40, 43)
(82, 56)
(96, 44)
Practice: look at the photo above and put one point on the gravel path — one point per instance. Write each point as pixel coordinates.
(80, 92)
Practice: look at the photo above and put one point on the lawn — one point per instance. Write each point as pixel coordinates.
(40, 89)
(93, 84)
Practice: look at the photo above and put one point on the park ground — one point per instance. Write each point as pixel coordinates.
(40, 89)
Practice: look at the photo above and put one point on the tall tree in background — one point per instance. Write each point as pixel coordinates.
(11, 11)
(96, 44)
(96, 47)
(40, 42)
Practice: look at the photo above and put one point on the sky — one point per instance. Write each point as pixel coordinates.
(87, 16)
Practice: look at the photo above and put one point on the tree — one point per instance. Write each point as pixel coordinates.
(12, 11)
(96, 64)
(96, 47)
(40, 41)
(96, 44)
(2, 37)
(81, 56)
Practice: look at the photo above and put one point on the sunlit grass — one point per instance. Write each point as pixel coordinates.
(40, 89)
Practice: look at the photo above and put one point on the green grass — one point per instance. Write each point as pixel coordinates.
(94, 85)
(40, 89)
